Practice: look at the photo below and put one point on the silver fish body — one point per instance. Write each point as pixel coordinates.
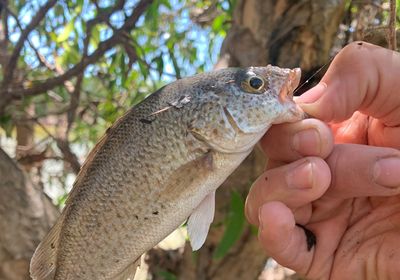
(156, 165)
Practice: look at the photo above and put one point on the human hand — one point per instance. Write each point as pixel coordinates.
(350, 201)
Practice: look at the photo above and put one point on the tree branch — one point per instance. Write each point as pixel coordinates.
(9, 71)
(4, 40)
(392, 26)
(64, 147)
(40, 87)
(73, 106)
(104, 15)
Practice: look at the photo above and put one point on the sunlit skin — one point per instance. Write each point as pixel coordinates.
(337, 174)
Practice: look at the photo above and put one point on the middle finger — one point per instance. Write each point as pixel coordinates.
(292, 141)
(295, 184)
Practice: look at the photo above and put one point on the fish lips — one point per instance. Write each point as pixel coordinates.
(291, 83)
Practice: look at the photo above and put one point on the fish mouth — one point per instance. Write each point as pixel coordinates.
(291, 83)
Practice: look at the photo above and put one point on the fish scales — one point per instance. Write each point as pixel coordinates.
(156, 164)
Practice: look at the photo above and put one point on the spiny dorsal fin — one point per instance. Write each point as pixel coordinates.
(44, 260)
(200, 220)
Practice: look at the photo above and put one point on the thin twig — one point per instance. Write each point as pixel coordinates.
(39, 56)
(10, 69)
(4, 39)
(73, 105)
(147, 64)
(63, 145)
(392, 26)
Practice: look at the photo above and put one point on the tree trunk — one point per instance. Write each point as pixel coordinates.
(287, 34)
(26, 215)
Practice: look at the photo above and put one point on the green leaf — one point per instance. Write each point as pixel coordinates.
(166, 3)
(166, 275)
(218, 23)
(95, 38)
(60, 202)
(58, 10)
(68, 28)
(175, 63)
(398, 12)
(234, 227)
(79, 6)
(151, 16)
(6, 124)
(232, 5)
(143, 69)
(160, 64)
(71, 54)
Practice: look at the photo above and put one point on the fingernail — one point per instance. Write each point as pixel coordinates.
(301, 177)
(312, 95)
(307, 142)
(386, 172)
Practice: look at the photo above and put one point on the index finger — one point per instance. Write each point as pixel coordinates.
(362, 77)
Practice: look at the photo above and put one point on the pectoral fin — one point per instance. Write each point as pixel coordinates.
(199, 222)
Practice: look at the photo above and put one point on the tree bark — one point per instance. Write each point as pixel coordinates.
(286, 33)
(26, 215)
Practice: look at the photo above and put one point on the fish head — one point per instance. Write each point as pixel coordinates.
(249, 101)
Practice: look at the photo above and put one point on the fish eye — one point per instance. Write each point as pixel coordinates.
(256, 83)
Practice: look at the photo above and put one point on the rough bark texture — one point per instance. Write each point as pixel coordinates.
(287, 33)
(281, 32)
(26, 215)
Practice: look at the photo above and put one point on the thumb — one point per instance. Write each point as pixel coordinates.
(362, 77)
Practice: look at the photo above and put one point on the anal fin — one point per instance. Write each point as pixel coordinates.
(44, 260)
(200, 220)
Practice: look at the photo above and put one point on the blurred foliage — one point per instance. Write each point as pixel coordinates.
(398, 14)
(235, 222)
(167, 275)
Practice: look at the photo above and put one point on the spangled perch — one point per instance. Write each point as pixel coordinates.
(159, 165)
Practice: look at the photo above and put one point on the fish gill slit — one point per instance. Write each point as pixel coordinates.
(231, 120)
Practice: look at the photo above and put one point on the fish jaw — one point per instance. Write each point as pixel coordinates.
(273, 106)
(291, 112)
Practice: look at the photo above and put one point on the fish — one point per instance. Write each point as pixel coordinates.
(158, 166)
